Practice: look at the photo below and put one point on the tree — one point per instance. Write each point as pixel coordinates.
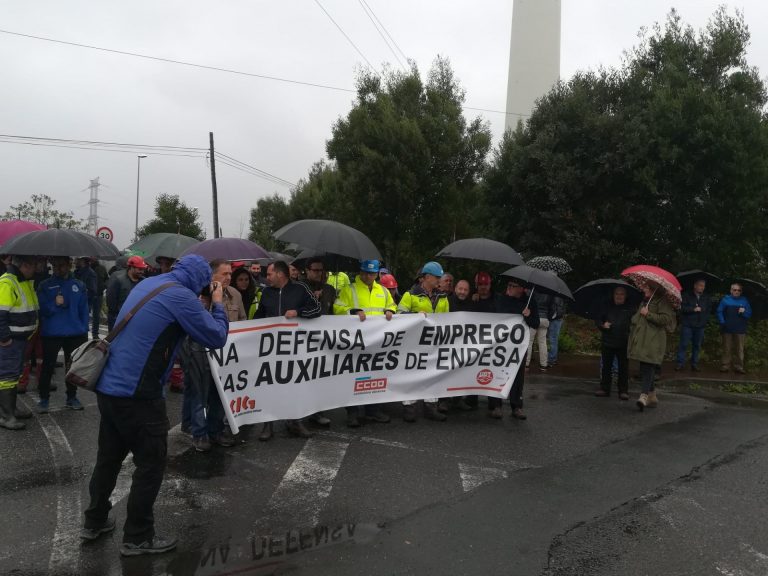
(270, 214)
(409, 162)
(663, 160)
(174, 216)
(40, 208)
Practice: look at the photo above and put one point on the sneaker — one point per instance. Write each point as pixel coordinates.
(543, 368)
(93, 533)
(320, 419)
(623, 396)
(42, 406)
(642, 402)
(157, 545)
(74, 404)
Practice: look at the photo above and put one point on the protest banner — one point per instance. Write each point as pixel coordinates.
(278, 369)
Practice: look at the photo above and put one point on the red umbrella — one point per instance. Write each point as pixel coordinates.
(641, 274)
(11, 228)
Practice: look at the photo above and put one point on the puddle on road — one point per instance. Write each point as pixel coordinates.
(264, 554)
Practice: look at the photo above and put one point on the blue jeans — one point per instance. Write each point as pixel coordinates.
(694, 336)
(554, 335)
(202, 411)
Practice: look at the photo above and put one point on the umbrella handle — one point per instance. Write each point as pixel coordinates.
(527, 304)
(651, 298)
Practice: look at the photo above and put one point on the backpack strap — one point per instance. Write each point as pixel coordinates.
(116, 330)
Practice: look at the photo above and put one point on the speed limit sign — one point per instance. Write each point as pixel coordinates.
(105, 233)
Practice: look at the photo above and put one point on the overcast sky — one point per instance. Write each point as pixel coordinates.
(57, 91)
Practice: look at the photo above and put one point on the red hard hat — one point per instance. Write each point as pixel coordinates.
(388, 281)
(482, 279)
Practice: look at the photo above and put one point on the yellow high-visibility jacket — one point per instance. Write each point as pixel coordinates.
(417, 300)
(375, 300)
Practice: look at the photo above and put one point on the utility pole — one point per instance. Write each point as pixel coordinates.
(216, 233)
(93, 203)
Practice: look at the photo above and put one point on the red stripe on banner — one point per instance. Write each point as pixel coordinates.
(262, 328)
(475, 388)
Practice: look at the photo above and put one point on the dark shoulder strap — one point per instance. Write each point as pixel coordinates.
(116, 330)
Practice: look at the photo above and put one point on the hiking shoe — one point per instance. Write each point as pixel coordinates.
(74, 404)
(224, 438)
(93, 533)
(201, 444)
(42, 406)
(157, 545)
(377, 416)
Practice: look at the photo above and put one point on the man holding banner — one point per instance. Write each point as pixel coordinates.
(514, 301)
(425, 297)
(362, 298)
(283, 297)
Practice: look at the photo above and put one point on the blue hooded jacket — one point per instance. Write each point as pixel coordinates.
(140, 357)
(71, 319)
(731, 322)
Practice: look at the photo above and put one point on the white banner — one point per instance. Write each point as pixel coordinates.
(278, 369)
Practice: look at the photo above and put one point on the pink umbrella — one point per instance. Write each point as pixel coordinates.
(11, 228)
(641, 274)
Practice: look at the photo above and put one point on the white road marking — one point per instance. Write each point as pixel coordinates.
(309, 480)
(475, 476)
(65, 547)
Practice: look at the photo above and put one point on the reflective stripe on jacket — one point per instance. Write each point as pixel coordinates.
(375, 300)
(417, 300)
(18, 307)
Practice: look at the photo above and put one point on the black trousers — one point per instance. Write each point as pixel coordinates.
(141, 428)
(51, 347)
(620, 354)
(515, 393)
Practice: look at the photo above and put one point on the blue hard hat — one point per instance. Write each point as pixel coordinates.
(369, 265)
(432, 268)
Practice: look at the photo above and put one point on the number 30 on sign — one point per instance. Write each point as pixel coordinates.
(105, 233)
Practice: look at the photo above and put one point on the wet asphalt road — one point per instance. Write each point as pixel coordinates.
(585, 486)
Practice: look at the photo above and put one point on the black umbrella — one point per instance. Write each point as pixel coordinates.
(541, 280)
(591, 295)
(689, 277)
(60, 242)
(751, 288)
(482, 249)
(329, 236)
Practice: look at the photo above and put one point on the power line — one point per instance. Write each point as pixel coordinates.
(344, 34)
(363, 6)
(230, 70)
(257, 170)
(95, 148)
(181, 62)
(385, 30)
(106, 144)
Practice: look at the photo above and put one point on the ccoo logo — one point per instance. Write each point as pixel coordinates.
(241, 404)
(484, 377)
(368, 384)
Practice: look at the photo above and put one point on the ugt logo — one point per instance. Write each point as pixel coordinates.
(241, 403)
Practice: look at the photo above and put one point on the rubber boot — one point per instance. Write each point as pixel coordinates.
(19, 412)
(7, 418)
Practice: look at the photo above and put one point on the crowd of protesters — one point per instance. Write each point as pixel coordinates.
(191, 303)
